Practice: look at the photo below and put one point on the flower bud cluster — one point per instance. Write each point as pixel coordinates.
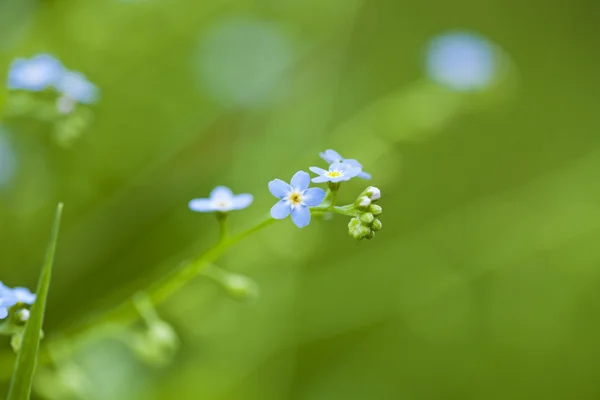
(366, 223)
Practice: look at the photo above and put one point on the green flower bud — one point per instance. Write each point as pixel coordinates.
(363, 202)
(241, 287)
(376, 225)
(375, 209)
(370, 235)
(354, 223)
(364, 230)
(367, 218)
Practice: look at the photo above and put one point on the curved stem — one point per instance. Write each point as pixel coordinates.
(161, 290)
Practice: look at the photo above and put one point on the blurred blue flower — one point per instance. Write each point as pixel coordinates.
(337, 172)
(35, 74)
(295, 198)
(332, 156)
(221, 199)
(462, 61)
(23, 295)
(75, 86)
(7, 300)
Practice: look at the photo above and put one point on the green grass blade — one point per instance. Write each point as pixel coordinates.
(22, 379)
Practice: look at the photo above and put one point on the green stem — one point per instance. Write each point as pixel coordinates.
(159, 291)
(224, 231)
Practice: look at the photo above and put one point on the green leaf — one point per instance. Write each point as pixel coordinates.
(22, 379)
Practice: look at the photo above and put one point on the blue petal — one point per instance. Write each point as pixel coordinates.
(364, 175)
(351, 163)
(202, 205)
(76, 86)
(321, 179)
(352, 172)
(221, 193)
(23, 295)
(318, 171)
(330, 156)
(281, 210)
(279, 188)
(35, 74)
(313, 196)
(241, 201)
(3, 312)
(337, 166)
(301, 216)
(300, 180)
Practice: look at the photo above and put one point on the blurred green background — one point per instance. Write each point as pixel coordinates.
(484, 282)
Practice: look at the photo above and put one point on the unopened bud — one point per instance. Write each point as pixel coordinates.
(367, 218)
(23, 315)
(375, 209)
(373, 193)
(370, 235)
(376, 225)
(363, 202)
(241, 287)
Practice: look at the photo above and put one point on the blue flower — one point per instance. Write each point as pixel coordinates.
(23, 295)
(295, 198)
(75, 86)
(337, 172)
(7, 300)
(222, 200)
(35, 74)
(462, 61)
(332, 156)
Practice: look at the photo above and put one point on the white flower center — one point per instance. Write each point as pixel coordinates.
(222, 204)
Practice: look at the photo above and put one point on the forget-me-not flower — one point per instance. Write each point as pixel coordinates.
(337, 172)
(462, 61)
(23, 295)
(221, 199)
(332, 156)
(75, 88)
(7, 300)
(34, 74)
(295, 198)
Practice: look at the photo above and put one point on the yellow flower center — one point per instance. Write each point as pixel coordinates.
(295, 198)
(334, 174)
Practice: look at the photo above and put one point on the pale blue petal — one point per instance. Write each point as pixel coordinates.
(301, 216)
(3, 312)
(279, 188)
(221, 194)
(336, 166)
(342, 178)
(281, 210)
(23, 295)
(364, 175)
(76, 86)
(241, 201)
(313, 196)
(202, 205)
(321, 179)
(352, 172)
(35, 74)
(352, 163)
(330, 156)
(318, 171)
(300, 180)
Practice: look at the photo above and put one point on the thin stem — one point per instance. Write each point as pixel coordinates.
(334, 194)
(161, 290)
(347, 210)
(223, 229)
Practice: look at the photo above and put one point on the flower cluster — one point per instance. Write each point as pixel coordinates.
(42, 88)
(296, 199)
(365, 224)
(15, 299)
(44, 71)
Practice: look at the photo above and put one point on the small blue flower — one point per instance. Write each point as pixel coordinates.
(337, 172)
(35, 74)
(295, 198)
(332, 156)
(75, 86)
(7, 300)
(462, 61)
(23, 295)
(221, 199)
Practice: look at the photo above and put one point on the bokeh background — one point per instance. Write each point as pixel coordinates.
(484, 282)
